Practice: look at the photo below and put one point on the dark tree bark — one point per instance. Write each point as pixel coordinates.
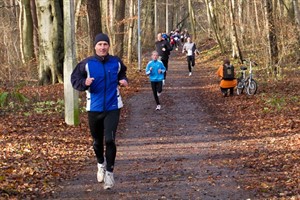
(27, 31)
(119, 29)
(93, 10)
(272, 38)
(35, 28)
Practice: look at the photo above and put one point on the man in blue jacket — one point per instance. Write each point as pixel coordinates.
(100, 76)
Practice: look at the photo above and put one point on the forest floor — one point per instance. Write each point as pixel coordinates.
(200, 145)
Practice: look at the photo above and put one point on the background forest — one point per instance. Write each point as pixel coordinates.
(32, 31)
(32, 55)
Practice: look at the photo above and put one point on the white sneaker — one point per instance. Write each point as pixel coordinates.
(101, 172)
(190, 74)
(158, 93)
(158, 107)
(109, 180)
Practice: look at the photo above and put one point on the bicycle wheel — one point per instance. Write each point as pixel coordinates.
(251, 87)
(239, 88)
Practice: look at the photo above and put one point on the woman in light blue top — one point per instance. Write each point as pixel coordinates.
(155, 70)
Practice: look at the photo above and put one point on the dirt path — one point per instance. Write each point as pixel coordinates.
(166, 154)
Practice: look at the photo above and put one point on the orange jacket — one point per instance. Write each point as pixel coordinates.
(225, 83)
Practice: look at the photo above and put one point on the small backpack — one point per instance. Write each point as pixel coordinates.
(228, 72)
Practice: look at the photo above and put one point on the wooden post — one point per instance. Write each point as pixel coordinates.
(70, 95)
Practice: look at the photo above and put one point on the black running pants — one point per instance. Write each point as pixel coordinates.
(103, 127)
(156, 88)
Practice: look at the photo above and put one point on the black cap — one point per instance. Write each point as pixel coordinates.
(101, 37)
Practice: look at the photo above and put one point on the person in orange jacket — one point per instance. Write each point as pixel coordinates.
(227, 84)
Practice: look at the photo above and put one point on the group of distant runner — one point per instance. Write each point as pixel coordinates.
(176, 38)
(157, 67)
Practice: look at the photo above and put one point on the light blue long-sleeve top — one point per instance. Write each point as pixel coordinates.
(153, 74)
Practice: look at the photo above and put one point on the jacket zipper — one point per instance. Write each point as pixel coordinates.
(104, 96)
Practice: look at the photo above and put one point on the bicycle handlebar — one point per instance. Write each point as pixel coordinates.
(244, 60)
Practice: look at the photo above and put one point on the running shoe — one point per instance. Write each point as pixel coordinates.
(101, 172)
(158, 107)
(109, 180)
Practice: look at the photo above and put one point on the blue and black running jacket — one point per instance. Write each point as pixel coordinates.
(103, 94)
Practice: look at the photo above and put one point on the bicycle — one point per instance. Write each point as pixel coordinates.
(248, 82)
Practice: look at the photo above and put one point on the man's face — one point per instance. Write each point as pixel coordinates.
(159, 37)
(102, 48)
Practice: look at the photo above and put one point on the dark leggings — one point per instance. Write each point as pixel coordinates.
(165, 61)
(191, 62)
(156, 87)
(104, 125)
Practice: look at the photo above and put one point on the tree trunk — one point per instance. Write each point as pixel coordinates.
(209, 22)
(130, 32)
(21, 31)
(109, 22)
(149, 23)
(214, 23)
(297, 12)
(111, 13)
(297, 22)
(241, 20)
(192, 19)
(35, 28)
(272, 38)
(27, 31)
(167, 16)
(93, 10)
(236, 52)
(146, 14)
(12, 5)
(155, 19)
(256, 16)
(120, 20)
(51, 54)
(77, 11)
(70, 95)
(172, 15)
